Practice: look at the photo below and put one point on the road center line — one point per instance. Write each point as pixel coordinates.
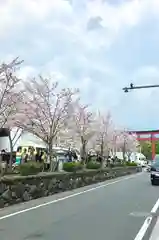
(147, 222)
(67, 197)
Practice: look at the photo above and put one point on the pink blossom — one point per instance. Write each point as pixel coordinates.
(46, 108)
(10, 96)
(104, 133)
(81, 126)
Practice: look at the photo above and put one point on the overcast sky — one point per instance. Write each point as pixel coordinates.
(99, 46)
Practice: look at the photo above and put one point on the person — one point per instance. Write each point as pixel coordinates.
(18, 156)
(24, 156)
(3, 159)
(74, 155)
(37, 155)
(31, 155)
(40, 156)
(44, 159)
(3, 153)
(69, 156)
(99, 158)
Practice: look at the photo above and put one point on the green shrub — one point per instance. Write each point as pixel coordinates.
(30, 168)
(72, 166)
(93, 165)
(131, 164)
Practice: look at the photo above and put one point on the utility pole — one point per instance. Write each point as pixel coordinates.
(132, 87)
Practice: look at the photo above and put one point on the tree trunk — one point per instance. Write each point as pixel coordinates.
(11, 153)
(102, 153)
(1, 167)
(49, 157)
(53, 163)
(124, 151)
(83, 153)
(102, 148)
(129, 155)
(107, 155)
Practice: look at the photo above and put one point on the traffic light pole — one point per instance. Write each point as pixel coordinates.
(132, 87)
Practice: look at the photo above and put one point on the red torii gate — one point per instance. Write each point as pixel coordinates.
(151, 137)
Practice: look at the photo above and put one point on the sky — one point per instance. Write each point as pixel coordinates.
(99, 46)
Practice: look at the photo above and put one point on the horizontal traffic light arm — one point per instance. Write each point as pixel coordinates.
(132, 87)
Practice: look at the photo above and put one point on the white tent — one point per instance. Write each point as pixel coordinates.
(28, 139)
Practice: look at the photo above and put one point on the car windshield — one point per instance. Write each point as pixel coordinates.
(155, 164)
(156, 159)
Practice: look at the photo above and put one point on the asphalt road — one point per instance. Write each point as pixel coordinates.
(115, 211)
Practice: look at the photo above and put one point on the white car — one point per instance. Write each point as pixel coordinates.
(142, 163)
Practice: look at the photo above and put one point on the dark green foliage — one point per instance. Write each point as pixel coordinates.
(131, 164)
(72, 166)
(93, 165)
(30, 168)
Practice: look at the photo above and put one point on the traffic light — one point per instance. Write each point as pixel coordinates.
(126, 90)
(131, 85)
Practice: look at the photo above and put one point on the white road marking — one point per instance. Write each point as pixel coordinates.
(143, 229)
(155, 207)
(66, 197)
(147, 223)
(140, 214)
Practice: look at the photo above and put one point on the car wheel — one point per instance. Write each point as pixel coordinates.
(152, 182)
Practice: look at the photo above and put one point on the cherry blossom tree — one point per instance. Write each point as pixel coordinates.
(10, 95)
(127, 143)
(104, 129)
(46, 109)
(132, 145)
(68, 139)
(115, 141)
(82, 127)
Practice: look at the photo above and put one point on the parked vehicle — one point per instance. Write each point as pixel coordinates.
(142, 163)
(148, 167)
(154, 176)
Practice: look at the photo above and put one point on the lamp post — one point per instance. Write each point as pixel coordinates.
(132, 87)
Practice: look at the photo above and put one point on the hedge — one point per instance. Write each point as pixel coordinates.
(93, 165)
(131, 164)
(72, 166)
(30, 168)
